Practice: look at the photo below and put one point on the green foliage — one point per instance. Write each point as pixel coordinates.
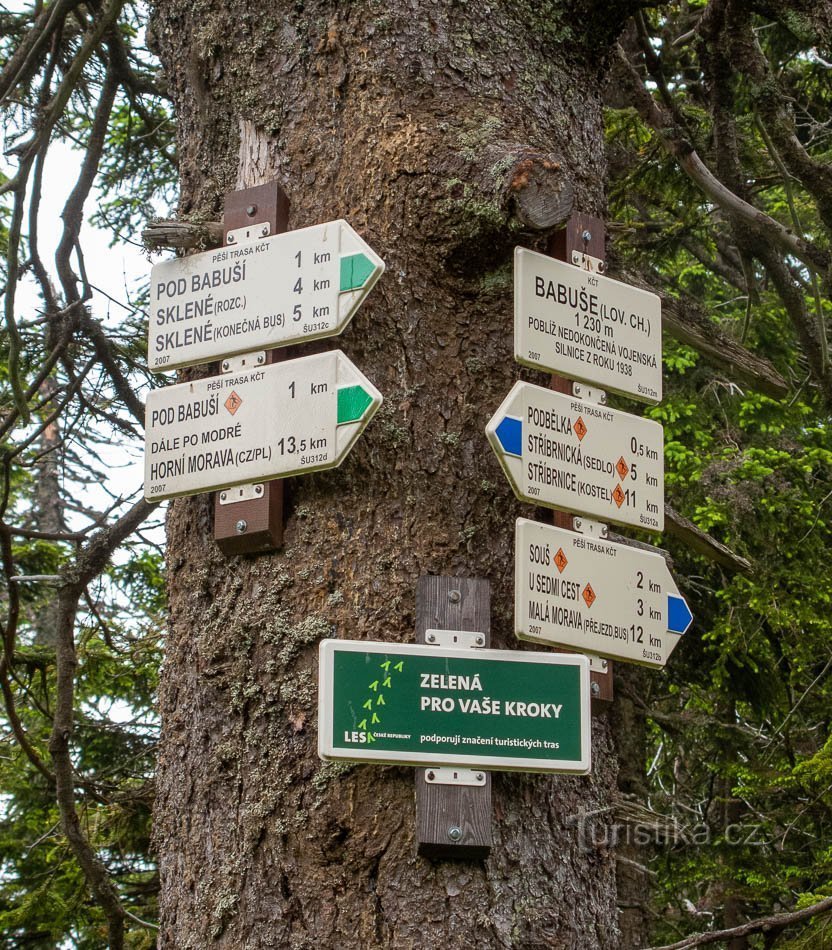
(740, 747)
(57, 490)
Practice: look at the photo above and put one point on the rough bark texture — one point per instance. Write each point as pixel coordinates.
(420, 123)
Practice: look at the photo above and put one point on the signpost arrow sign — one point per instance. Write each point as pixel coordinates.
(431, 705)
(586, 326)
(261, 294)
(589, 594)
(564, 453)
(268, 422)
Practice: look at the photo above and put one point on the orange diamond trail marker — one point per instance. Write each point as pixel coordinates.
(560, 561)
(588, 595)
(580, 428)
(233, 403)
(622, 468)
(618, 496)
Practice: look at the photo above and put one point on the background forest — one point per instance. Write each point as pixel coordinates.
(719, 143)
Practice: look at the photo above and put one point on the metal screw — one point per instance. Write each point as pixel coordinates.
(258, 489)
(595, 689)
(480, 639)
(242, 526)
(431, 638)
(604, 532)
(603, 399)
(251, 210)
(264, 231)
(261, 358)
(223, 496)
(454, 596)
(480, 777)
(455, 833)
(430, 776)
(586, 237)
(231, 239)
(225, 365)
(578, 524)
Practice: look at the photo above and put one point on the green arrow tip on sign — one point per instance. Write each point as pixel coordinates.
(355, 270)
(368, 704)
(380, 701)
(352, 403)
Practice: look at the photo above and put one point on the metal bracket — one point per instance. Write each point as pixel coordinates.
(455, 638)
(598, 663)
(241, 493)
(254, 232)
(592, 264)
(589, 393)
(593, 528)
(446, 776)
(236, 363)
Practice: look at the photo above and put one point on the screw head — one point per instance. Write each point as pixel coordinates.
(455, 833)
(480, 639)
(241, 526)
(251, 210)
(431, 638)
(261, 358)
(223, 495)
(586, 236)
(603, 399)
(430, 776)
(258, 489)
(225, 365)
(454, 596)
(480, 777)
(231, 239)
(595, 689)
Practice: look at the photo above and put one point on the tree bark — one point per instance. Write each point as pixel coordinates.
(422, 124)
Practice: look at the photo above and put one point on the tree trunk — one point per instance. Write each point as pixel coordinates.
(446, 134)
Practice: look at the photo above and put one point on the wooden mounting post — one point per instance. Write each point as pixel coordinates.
(583, 234)
(453, 821)
(256, 524)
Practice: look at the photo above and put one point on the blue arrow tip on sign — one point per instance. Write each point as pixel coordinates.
(679, 617)
(510, 435)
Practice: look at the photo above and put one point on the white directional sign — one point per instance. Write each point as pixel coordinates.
(564, 453)
(253, 425)
(592, 595)
(257, 295)
(587, 327)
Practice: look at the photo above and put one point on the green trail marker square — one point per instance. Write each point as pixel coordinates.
(424, 705)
